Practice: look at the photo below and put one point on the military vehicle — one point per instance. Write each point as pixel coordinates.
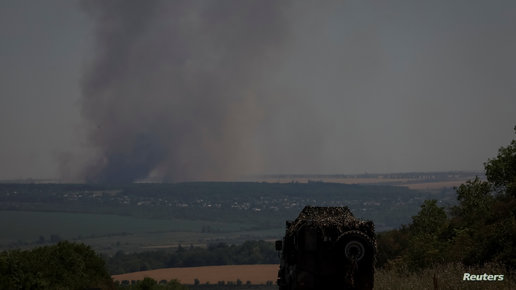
(327, 248)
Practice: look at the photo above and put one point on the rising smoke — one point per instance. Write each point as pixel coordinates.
(213, 90)
(174, 91)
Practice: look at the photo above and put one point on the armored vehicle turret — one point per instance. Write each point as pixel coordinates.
(327, 248)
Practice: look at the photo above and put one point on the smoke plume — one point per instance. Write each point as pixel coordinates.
(173, 92)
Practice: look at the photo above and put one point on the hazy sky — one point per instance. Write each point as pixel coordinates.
(182, 90)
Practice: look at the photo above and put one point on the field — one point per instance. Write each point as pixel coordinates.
(110, 233)
(424, 181)
(139, 217)
(411, 184)
(256, 274)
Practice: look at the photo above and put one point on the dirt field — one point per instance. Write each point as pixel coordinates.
(436, 185)
(257, 274)
(338, 180)
(410, 183)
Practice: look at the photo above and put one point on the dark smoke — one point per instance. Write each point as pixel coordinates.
(173, 92)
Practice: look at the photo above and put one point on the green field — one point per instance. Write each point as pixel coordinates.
(109, 233)
(138, 217)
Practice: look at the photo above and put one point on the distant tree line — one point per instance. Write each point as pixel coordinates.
(480, 229)
(151, 284)
(250, 252)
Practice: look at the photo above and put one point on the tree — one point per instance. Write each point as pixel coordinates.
(147, 284)
(481, 228)
(475, 202)
(392, 245)
(501, 171)
(430, 219)
(426, 247)
(175, 285)
(62, 266)
(483, 224)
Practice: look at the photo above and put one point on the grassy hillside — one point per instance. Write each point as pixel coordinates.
(449, 276)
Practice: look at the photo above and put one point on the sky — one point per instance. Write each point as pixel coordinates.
(119, 91)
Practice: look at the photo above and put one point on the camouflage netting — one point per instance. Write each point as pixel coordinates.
(331, 222)
(327, 248)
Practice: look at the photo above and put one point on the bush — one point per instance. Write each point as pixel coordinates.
(62, 266)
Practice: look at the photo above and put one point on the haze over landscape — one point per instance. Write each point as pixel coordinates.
(198, 90)
(201, 144)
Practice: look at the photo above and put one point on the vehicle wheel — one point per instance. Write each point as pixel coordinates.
(357, 246)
